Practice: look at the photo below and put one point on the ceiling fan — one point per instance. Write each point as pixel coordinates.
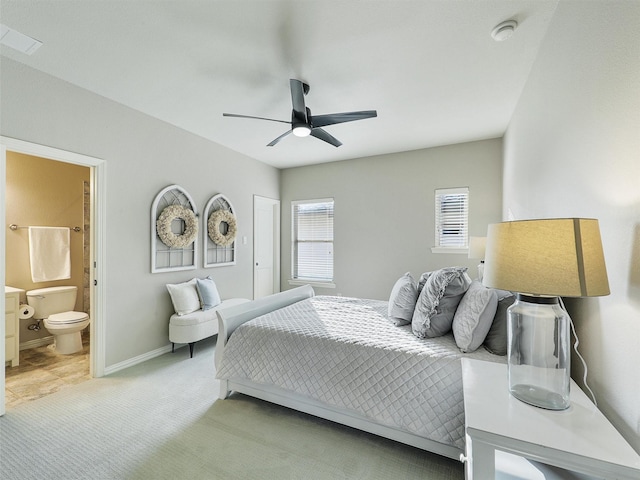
(304, 124)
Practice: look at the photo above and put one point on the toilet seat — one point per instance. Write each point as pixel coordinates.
(67, 318)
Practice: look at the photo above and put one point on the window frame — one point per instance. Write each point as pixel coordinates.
(313, 281)
(462, 248)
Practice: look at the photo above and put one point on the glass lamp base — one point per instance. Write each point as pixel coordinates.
(538, 352)
(539, 397)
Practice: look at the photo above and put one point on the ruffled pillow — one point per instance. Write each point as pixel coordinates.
(438, 300)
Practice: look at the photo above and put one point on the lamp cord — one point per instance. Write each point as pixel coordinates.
(575, 347)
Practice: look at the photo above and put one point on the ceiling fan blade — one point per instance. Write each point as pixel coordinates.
(333, 118)
(273, 142)
(323, 135)
(256, 118)
(298, 91)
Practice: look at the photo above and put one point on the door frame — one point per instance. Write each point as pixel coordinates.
(275, 204)
(97, 242)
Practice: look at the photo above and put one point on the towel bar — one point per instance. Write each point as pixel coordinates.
(13, 226)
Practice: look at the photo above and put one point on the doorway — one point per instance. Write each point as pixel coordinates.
(266, 246)
(95, 244)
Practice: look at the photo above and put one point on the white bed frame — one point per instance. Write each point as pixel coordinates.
(231, 318)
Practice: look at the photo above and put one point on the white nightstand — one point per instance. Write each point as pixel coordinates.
(579, 439)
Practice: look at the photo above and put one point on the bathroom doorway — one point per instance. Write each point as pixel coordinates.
(90, 284)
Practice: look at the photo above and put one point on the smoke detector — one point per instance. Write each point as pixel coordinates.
(504, 30)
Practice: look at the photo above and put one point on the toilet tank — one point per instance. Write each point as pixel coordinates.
(47, 301)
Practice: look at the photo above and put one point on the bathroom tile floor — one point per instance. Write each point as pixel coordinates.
(42, 371)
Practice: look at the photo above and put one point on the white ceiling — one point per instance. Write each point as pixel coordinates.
(429, 67)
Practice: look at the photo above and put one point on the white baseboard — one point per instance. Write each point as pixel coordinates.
(136, 360)
(38, 342)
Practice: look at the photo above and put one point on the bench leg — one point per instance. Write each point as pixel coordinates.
(191, 349)
(172, 346)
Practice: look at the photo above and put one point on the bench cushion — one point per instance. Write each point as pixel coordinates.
(194, 318)
(198, 325)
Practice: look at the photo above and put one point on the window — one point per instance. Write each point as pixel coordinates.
(452, 218)
(312, 238)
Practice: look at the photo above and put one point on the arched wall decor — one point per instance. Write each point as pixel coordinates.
(222, 228)
(174, 231)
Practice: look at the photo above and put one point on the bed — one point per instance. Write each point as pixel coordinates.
(343, 360)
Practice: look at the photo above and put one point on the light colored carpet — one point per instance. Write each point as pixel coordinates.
(162, 420)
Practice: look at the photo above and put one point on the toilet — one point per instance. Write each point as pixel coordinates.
(54, 305)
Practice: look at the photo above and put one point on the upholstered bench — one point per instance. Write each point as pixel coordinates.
(198, 325)
(195, 303)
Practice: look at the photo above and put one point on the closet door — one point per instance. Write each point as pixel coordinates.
(266, 246)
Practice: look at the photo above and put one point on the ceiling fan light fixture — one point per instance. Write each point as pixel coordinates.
(504, 30)
(301, 131)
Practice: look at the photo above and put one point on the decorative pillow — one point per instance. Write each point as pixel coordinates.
(184, 297)
(402, 301)
(474, 316)
(496, 341)
(438, 301)
(208, 292)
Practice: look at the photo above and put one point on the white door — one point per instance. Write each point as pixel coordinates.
(266, 246)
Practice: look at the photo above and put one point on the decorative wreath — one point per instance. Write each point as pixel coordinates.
(213, 225)
(163, 226)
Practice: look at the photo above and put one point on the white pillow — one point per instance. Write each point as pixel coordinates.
(184, 297)
(402, 301)
(474, 316)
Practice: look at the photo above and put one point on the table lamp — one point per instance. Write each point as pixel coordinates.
(476, 250)
(542, 260)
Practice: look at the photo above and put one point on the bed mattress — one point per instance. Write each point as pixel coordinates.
(346, 353)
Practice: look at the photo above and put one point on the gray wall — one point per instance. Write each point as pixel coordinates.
(143, 155)
(573, 149)
(384, 211)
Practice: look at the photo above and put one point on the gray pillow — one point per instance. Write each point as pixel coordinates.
(402, 301)
(474, 316)
(208, 293)
(496, 341)
(438, 300)
(423, 280)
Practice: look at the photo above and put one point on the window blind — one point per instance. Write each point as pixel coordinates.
(312, 232)
(452, 217)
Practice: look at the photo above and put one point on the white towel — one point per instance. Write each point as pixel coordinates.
(49, 253)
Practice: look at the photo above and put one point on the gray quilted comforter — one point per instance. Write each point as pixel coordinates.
(346, 353)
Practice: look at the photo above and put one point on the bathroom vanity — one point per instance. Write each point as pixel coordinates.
(12, 325)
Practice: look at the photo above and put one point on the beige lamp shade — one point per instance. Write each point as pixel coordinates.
(558, 257)
(477, 247)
